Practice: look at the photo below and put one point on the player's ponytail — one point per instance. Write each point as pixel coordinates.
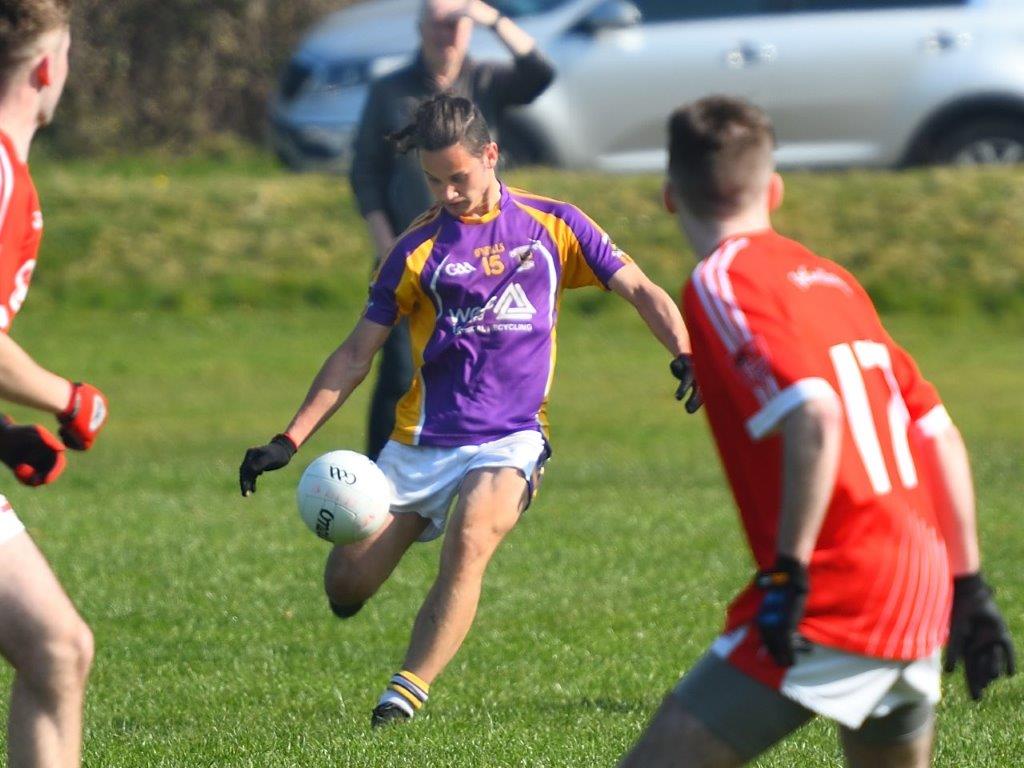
(443, 121)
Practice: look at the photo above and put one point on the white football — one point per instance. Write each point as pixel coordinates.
(343, 497)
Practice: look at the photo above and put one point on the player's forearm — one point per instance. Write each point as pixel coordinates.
(945, 458)
(662, 316)
(341, 373)
(811, 439)
(25, 382)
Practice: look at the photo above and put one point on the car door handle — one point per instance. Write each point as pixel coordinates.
(749, 54)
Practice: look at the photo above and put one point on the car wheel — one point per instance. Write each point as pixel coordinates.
(994, 141)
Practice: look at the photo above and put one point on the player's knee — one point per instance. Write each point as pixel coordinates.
(345, 611)
(468, 551)
(85, 645)
(74, 652)
(346, 588)
(61, 662)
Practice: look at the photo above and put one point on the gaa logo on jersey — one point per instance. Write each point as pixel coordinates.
(459, 269)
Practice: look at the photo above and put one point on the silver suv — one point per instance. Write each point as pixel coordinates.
(847, 82)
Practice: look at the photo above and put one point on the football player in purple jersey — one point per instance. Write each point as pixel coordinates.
(480, 276)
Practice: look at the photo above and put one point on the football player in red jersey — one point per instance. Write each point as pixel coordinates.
(41, 633)
(852, 484)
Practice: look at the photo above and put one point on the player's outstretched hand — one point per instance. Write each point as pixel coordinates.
(785, 588)
(32, 452)
(682, 369)
(978, 635)
(274, 455)
(84, 417)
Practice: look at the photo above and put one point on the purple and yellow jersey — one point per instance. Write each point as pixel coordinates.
(482, 295)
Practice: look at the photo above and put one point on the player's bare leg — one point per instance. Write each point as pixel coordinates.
(490, 502)
(354, 572)
(916, 753)
(51, 650)
(677, 739)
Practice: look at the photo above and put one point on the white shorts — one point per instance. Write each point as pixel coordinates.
(424, 479)
(10, 525)
(849, 688)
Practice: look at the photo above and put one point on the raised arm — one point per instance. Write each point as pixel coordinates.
(512, 36)
(530, 73)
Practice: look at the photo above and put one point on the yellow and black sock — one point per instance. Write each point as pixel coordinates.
(406, 691)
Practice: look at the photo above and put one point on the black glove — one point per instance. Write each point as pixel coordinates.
(978, 635)
(682, 369)
(274, 455)
(785, 588)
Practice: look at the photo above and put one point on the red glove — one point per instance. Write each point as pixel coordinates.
(84, 417)
(31, 451)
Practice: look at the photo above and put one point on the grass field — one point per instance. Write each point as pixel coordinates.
(215, 644)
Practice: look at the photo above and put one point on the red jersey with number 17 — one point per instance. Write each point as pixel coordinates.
(21, 230)
(773, 326)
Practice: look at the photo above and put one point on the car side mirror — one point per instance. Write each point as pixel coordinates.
(611, 14)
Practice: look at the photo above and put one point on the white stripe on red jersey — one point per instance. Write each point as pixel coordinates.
(6, 184)
(20, 232)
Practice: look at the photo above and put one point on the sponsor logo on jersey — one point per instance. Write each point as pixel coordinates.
(511, 311)
(805, 279)
(459, 269)
(514, 304)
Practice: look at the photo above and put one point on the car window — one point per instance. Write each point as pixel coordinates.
(867, 5)
(517, 8)
(684, 10)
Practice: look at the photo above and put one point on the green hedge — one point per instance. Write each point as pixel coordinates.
(235, 231)
(174, 73)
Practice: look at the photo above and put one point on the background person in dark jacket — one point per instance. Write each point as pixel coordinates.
(389, 187)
